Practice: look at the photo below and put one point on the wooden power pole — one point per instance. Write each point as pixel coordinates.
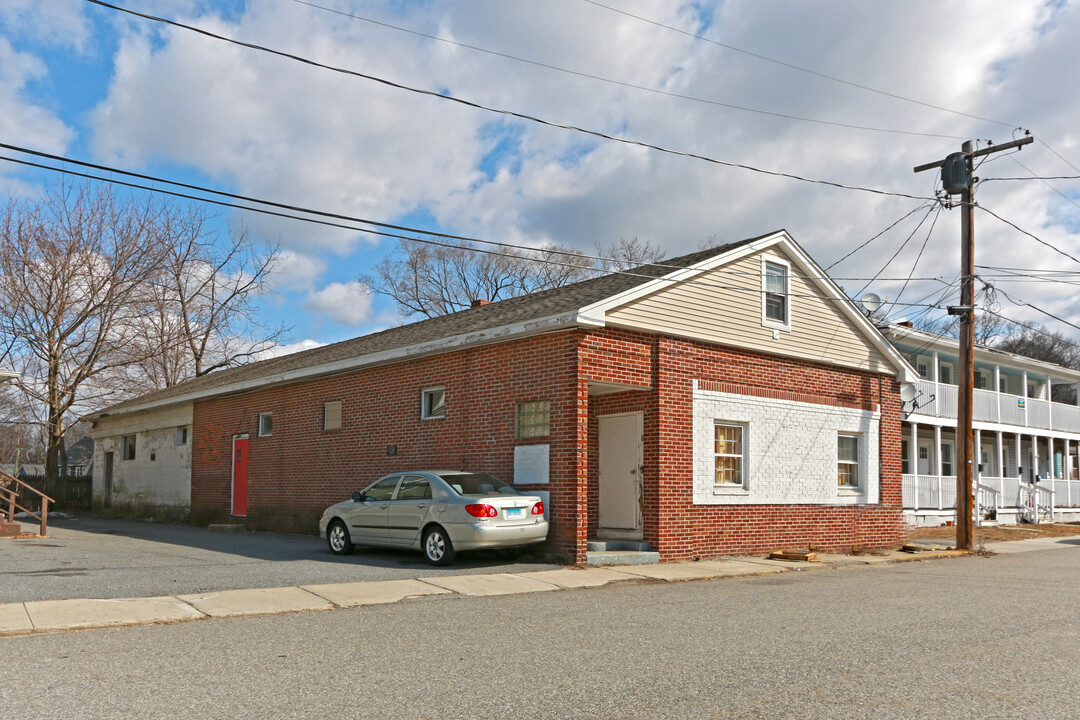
(957, 179)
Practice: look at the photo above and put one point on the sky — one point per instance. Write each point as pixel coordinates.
(870, 90)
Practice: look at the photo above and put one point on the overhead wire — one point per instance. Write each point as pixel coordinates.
(792, 66)
(1030, 235)
(875, 237)
(918, 257)
(635, 86)
(899, 249)
(508, 113)
(427, 241)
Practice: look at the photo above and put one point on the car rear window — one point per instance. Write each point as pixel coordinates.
(477, 485)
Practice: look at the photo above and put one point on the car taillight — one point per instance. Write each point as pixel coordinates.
(481, 511)
(538, 508)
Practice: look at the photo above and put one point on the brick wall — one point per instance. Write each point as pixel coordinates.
(678, 527)
(301, 469)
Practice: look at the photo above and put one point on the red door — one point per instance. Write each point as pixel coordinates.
(240, 476)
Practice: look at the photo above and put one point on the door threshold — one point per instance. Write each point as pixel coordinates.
(619, 534)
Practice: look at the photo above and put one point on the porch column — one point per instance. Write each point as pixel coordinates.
(997, 381)
(913, 460)
(934, 374)
(976, 474)
(1019, 456)
(1034, 458)
(937, 455)
(1001, 459)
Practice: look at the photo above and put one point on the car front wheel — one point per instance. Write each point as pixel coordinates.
(438, 550)
(337, 537)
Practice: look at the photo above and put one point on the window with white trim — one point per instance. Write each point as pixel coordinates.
(905, 461)
(730, 453)
(777, 310)
(266, 424)
(946, 459)
(924, 370)
(182, 435)
(945, 374)
(432, 403)
(847, 460)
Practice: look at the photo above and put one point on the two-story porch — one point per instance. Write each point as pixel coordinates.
(1026, 428)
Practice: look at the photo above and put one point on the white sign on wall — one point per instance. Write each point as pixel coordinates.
(531, 464)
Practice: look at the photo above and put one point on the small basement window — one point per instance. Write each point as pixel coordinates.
(332, 415)
(266, 424)
(533, 419)
(432, 403)
(847, 461)
(181, 435)
(127, 447)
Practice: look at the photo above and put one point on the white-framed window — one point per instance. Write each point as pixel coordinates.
(905, 462)
(533, 419)
(1003, 384)
(432, 403)
(980, 379)
(127, 447)
(182, 435)
(924, 369)
(924, 453)
(946, 459)
(266, 424)
(945, 373)
(847, 460)
(332, 415)
(729, 449)
(775, 295)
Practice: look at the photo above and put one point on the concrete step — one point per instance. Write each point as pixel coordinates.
(621, 557)
(609, 545)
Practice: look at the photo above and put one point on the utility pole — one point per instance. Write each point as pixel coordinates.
(957, 179)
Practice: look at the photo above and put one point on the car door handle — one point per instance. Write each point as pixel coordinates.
(383, 507)
(421, 507)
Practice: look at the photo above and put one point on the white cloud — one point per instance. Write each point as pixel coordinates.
(57, 22)
(344, 303)
(290, 348)
(22, 120)
(298, 134)
(298, 271)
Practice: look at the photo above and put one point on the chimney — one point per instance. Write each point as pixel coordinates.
(479, 301)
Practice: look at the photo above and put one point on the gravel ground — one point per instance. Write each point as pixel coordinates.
(87, 557)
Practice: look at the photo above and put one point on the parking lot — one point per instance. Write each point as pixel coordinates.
(89, 557)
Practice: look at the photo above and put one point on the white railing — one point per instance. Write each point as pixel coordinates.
(932, 492)
(986, 499)
(990, 406)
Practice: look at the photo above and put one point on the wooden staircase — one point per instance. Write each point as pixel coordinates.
(11, 489)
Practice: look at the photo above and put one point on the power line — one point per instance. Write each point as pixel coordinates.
(337, 216)
(1043, 180)
(1059, 155)
(1025, 232)
(796, 67)
(621, 83)
(427, 241)
(508, 113)
(894, 224)
(918, 257)
(1037, 309)
(902, 246)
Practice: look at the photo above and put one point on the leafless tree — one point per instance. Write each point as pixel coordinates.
(431, 280)
(623, 254)
(202, 315)
(75, 266)
(20, 433)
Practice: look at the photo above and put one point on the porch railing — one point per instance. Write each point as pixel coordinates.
(997, 407)
(934, 492)
(11, 489)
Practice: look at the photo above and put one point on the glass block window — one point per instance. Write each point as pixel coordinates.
(533, 419)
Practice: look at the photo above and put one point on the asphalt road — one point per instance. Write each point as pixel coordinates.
(962, 638)
(86, 557)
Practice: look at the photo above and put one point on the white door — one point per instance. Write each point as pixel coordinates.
(925, 458)
(621, 471)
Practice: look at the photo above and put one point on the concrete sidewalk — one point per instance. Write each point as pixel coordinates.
(42, 616)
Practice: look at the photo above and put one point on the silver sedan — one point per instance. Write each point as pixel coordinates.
(438, 512)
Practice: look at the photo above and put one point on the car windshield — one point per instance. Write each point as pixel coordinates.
(477, 485)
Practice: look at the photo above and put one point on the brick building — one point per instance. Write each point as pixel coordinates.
(727, 401)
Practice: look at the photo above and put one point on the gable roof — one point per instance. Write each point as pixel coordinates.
(576, 305)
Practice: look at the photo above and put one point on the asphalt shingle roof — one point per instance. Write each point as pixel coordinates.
(497, 314)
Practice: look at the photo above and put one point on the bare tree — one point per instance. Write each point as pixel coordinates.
(202, 315)
(432, 280)
(623, 254)
(20, 433)
(74, 271)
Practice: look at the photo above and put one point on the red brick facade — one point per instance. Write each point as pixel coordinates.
(302, 469)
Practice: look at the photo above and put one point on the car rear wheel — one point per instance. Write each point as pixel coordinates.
(337, 537)
(438, 550)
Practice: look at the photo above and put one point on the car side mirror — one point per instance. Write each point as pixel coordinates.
(358, 497)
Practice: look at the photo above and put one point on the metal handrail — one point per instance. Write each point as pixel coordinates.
(10, 495)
